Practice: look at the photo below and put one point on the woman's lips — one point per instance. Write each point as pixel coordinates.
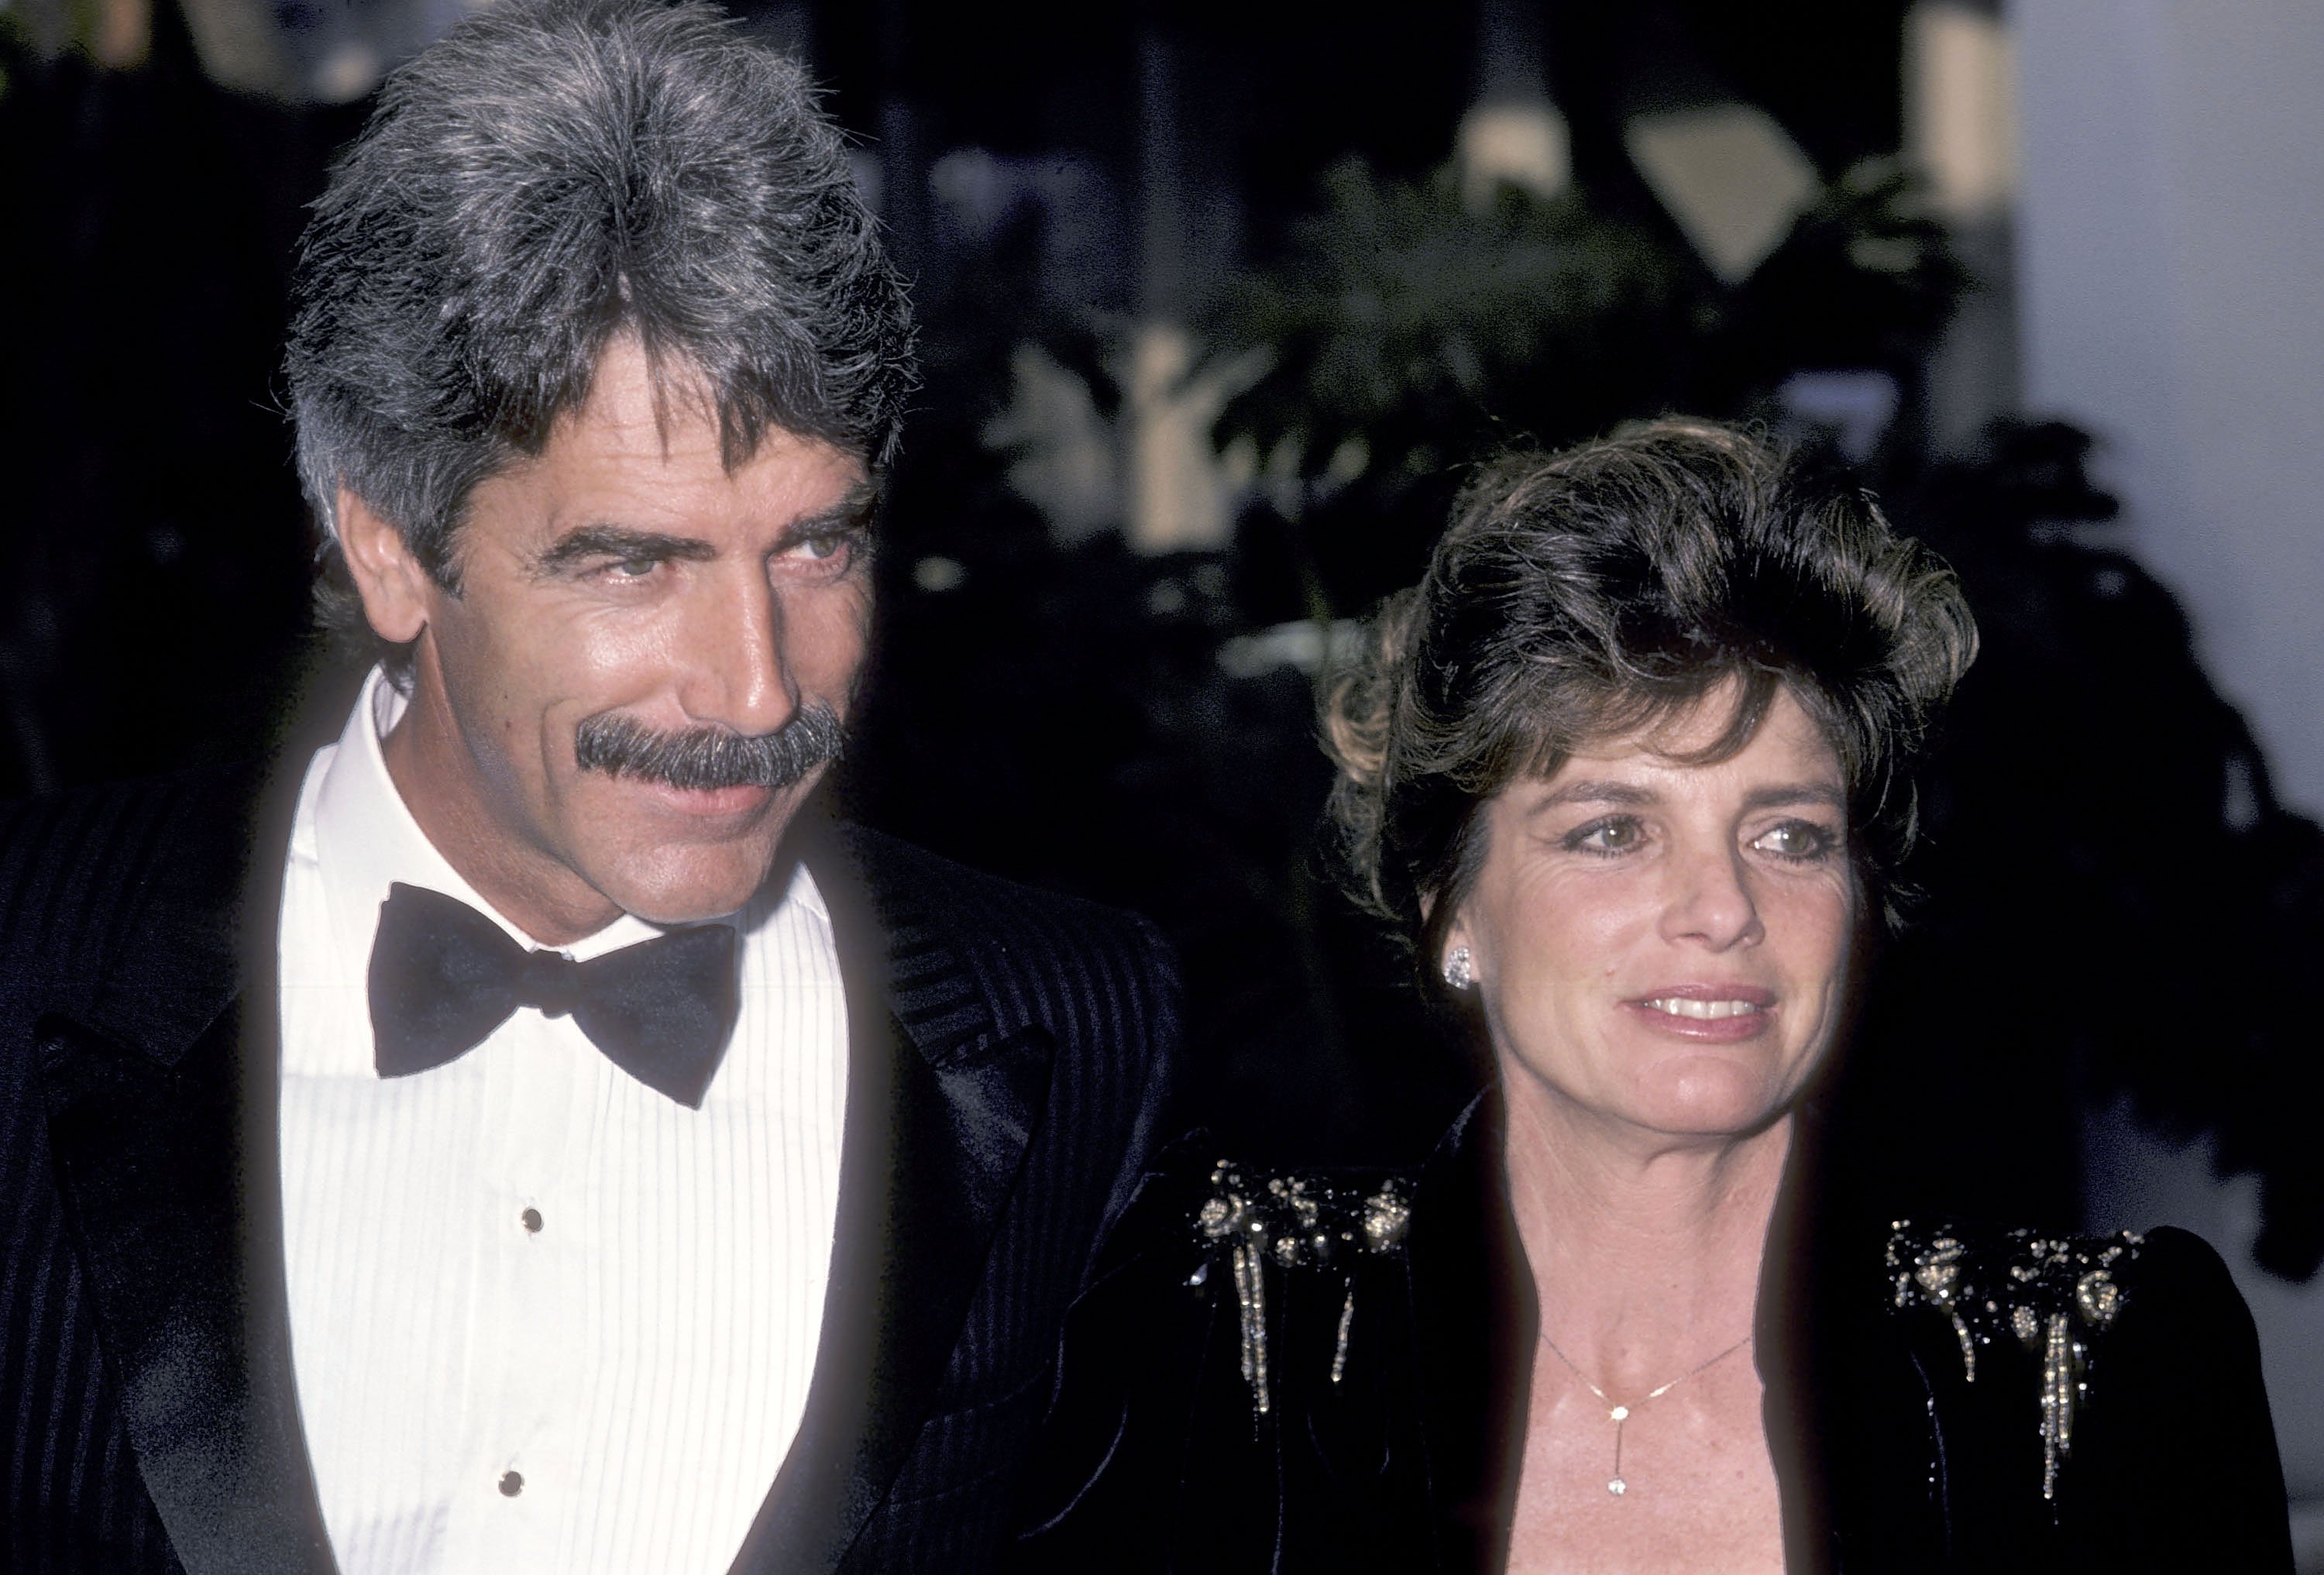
(1718, 1013)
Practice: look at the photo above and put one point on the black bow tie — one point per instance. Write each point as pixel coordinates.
(443, 977)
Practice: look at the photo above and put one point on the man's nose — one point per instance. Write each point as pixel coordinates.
(736, 676)
(1711, 900)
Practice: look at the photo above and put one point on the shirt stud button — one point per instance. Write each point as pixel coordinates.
(512, 1484)
(532, 1218)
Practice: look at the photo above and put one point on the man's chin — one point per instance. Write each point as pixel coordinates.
(688, 901)
(687, 879)
(674, 855)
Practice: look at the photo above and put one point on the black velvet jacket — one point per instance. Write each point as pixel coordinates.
(1396, 1369)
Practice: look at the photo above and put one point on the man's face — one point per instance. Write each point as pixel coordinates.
(629, 613)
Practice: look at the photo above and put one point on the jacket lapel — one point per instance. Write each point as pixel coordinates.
(940, 1106)
(1474, 1317)
(161, 1103)
(1849, 1409)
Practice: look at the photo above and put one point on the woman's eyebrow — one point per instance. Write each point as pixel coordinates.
(1777, 794)
(1637, 795)
(1587, 791)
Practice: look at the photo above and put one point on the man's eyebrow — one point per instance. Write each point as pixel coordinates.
(622, 542)
(584, 543)
(853, 511)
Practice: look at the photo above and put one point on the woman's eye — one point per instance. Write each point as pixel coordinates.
(1797, 839)
(1616, 834)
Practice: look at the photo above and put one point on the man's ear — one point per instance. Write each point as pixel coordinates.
(392, 584)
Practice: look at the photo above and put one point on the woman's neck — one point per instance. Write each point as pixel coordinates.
(1645, 1249)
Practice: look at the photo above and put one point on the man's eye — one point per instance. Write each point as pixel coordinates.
(826, 552)
(1616, 834)
(1797, 839)
(634, 568)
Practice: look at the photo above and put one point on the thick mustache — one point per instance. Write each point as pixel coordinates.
(704, 757)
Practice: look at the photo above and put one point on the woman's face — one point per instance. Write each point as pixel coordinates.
(1664, 947)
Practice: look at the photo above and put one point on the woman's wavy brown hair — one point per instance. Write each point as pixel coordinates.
(1600, 592)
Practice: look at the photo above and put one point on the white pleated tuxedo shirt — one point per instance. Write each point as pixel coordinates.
(542, 1317)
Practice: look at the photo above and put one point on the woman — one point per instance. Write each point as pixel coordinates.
(1631, 767)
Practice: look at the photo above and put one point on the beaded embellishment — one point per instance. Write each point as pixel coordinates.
(2048, 1293)
(1293, 1222)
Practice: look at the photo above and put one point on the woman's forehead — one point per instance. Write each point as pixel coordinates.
(1703, 736)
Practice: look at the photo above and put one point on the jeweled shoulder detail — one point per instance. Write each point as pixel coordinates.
(2053, 1294)
(1258, 1224)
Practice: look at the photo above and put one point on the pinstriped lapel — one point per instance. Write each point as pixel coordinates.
(162, 1108)
(940, 1107)
(182, 1257)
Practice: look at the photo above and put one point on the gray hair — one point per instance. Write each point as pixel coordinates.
(553, 173)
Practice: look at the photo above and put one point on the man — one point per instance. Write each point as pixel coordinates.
(528, 1135)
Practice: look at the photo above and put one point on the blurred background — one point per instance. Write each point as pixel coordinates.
(1219, 302)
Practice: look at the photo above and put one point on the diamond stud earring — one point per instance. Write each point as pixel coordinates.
(1458, 973)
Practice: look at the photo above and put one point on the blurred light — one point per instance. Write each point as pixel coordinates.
(1853, 407)
(1732, 176)
(1960, 119)
(1305, 645)
(1062, 452)
(1178, 496)
(1886, 254)
(1519, 142)
(973, 188)
(2240, 806)
(117, 34)
(125, 33)
(870, 178)
(240, 46)
(348, 72)
(314, 51)
(1348, 463)
(935, 575)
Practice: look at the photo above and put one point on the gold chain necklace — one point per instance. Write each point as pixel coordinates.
(1618, 1414)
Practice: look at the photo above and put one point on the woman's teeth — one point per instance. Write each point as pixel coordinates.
(1680, 1006)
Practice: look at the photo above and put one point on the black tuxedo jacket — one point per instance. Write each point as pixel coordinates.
(1009, 1053)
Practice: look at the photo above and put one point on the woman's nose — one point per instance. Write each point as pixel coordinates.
(1710, 902)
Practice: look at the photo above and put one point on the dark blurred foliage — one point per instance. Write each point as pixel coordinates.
(2116, 902)
(1413, 332)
